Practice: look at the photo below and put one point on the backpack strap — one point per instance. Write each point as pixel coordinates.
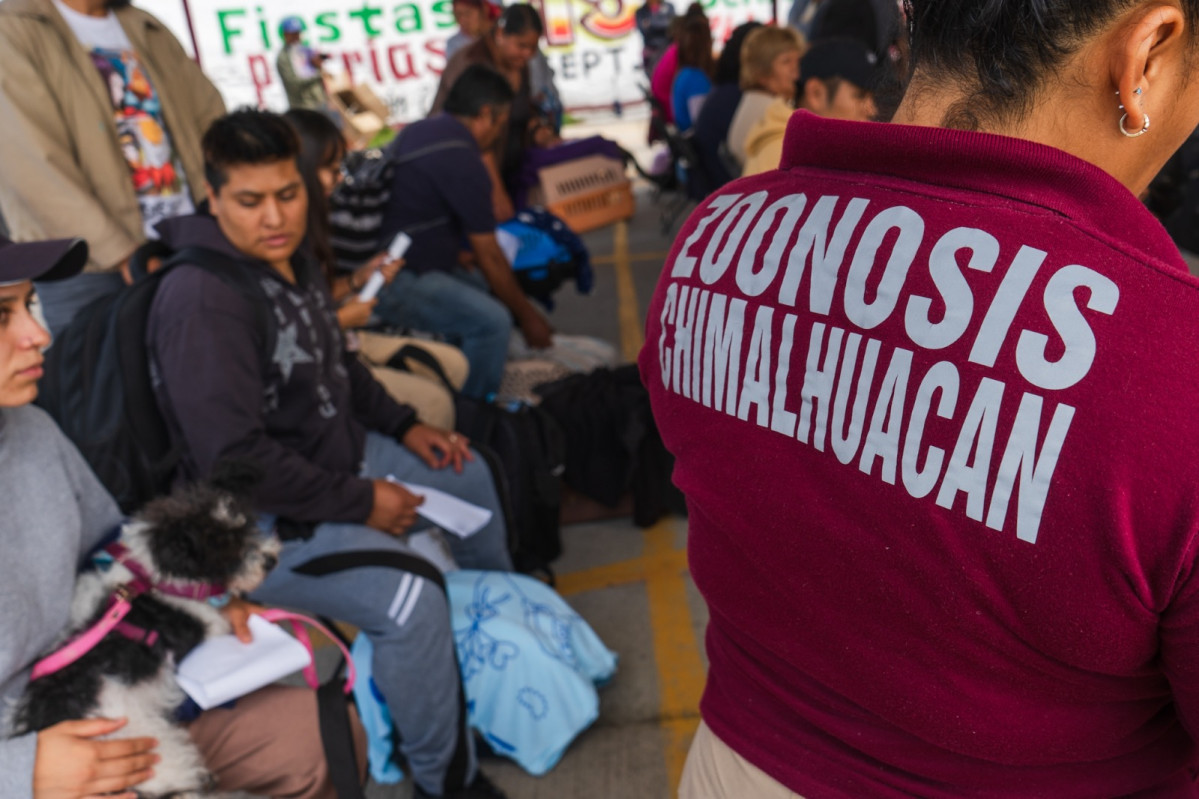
(139, 262)
(356, 559)
(408, 354)
(428, 149)
(337, 737)
(344, 561)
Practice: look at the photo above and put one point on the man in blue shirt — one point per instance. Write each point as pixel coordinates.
(441, 197)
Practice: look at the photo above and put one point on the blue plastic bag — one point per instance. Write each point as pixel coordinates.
(530, 666)
(549, 254)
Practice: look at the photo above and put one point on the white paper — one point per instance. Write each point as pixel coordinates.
(373, 284)
(447, 511)
(399, 246)
(509, 243)
(223, 668)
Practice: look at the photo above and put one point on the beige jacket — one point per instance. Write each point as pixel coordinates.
(764, 145)
(61, 168)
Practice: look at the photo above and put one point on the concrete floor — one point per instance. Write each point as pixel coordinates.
(631, 585)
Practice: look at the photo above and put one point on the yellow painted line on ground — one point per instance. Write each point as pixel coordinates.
(681, 674)
(622, 573)
(636, 257)
(628, 311)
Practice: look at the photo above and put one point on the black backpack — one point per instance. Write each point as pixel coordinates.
(526, 450)
(357, 204)
(612, 442)
(98, 385)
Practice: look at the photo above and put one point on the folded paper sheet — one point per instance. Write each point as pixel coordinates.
(223, 668)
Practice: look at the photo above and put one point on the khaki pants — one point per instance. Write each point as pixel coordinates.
(269, 744)
(420, 388)
(714, 771)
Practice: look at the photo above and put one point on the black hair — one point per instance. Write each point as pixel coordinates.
(321, 145)
(695, 44)
(477, 87)
(728, 66)
(1006, 49)
(246, 136)
(861, 20)
(520, 18)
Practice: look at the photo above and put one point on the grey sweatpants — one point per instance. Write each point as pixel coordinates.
(406, 616)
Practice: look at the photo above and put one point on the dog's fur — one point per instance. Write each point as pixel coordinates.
(199, 535)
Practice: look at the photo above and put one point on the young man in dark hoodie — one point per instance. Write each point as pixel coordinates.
(327, 434)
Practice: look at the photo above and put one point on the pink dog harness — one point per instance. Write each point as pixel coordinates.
(119, 605)
(121, 602)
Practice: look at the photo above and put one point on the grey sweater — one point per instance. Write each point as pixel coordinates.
(54, 512)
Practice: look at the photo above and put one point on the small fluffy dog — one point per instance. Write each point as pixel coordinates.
(200, 536)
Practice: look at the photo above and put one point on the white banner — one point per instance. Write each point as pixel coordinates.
(398, 48)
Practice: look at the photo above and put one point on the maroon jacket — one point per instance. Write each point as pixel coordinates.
(934, 398)
(304, 421)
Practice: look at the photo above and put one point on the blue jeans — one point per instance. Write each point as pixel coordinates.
(458, 305)
(408, 620)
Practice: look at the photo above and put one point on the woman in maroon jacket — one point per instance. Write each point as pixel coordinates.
(932, 391)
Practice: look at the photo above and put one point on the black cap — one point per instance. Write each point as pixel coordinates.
(41, 260)
(840, 57)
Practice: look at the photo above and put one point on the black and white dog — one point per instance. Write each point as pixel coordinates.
(199, 541)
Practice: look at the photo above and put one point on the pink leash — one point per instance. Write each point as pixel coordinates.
(121, 602)
(297, 622)
(118, 608)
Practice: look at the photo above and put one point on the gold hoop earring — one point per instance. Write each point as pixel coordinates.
(1144, 128)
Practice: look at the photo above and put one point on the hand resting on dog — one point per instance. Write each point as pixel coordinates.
(71, 764)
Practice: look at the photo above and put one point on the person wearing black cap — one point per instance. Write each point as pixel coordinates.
(836, 80)
(55, 513)
(21, 350)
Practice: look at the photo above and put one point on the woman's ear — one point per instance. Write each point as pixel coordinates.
(1150, 61)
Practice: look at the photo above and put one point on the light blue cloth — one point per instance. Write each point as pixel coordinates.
(530, 666)
(375, 718)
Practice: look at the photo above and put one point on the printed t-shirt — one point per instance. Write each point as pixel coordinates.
(440, 194)
(158, 177)
(932, 396)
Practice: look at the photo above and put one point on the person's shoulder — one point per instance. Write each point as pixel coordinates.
(24, 24)
(462, 58)
(440, 137)
(15, 9)
(477, 52)
(190, 289)
(28, 423)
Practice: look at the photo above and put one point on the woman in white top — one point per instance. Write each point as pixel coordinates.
(769, 70)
